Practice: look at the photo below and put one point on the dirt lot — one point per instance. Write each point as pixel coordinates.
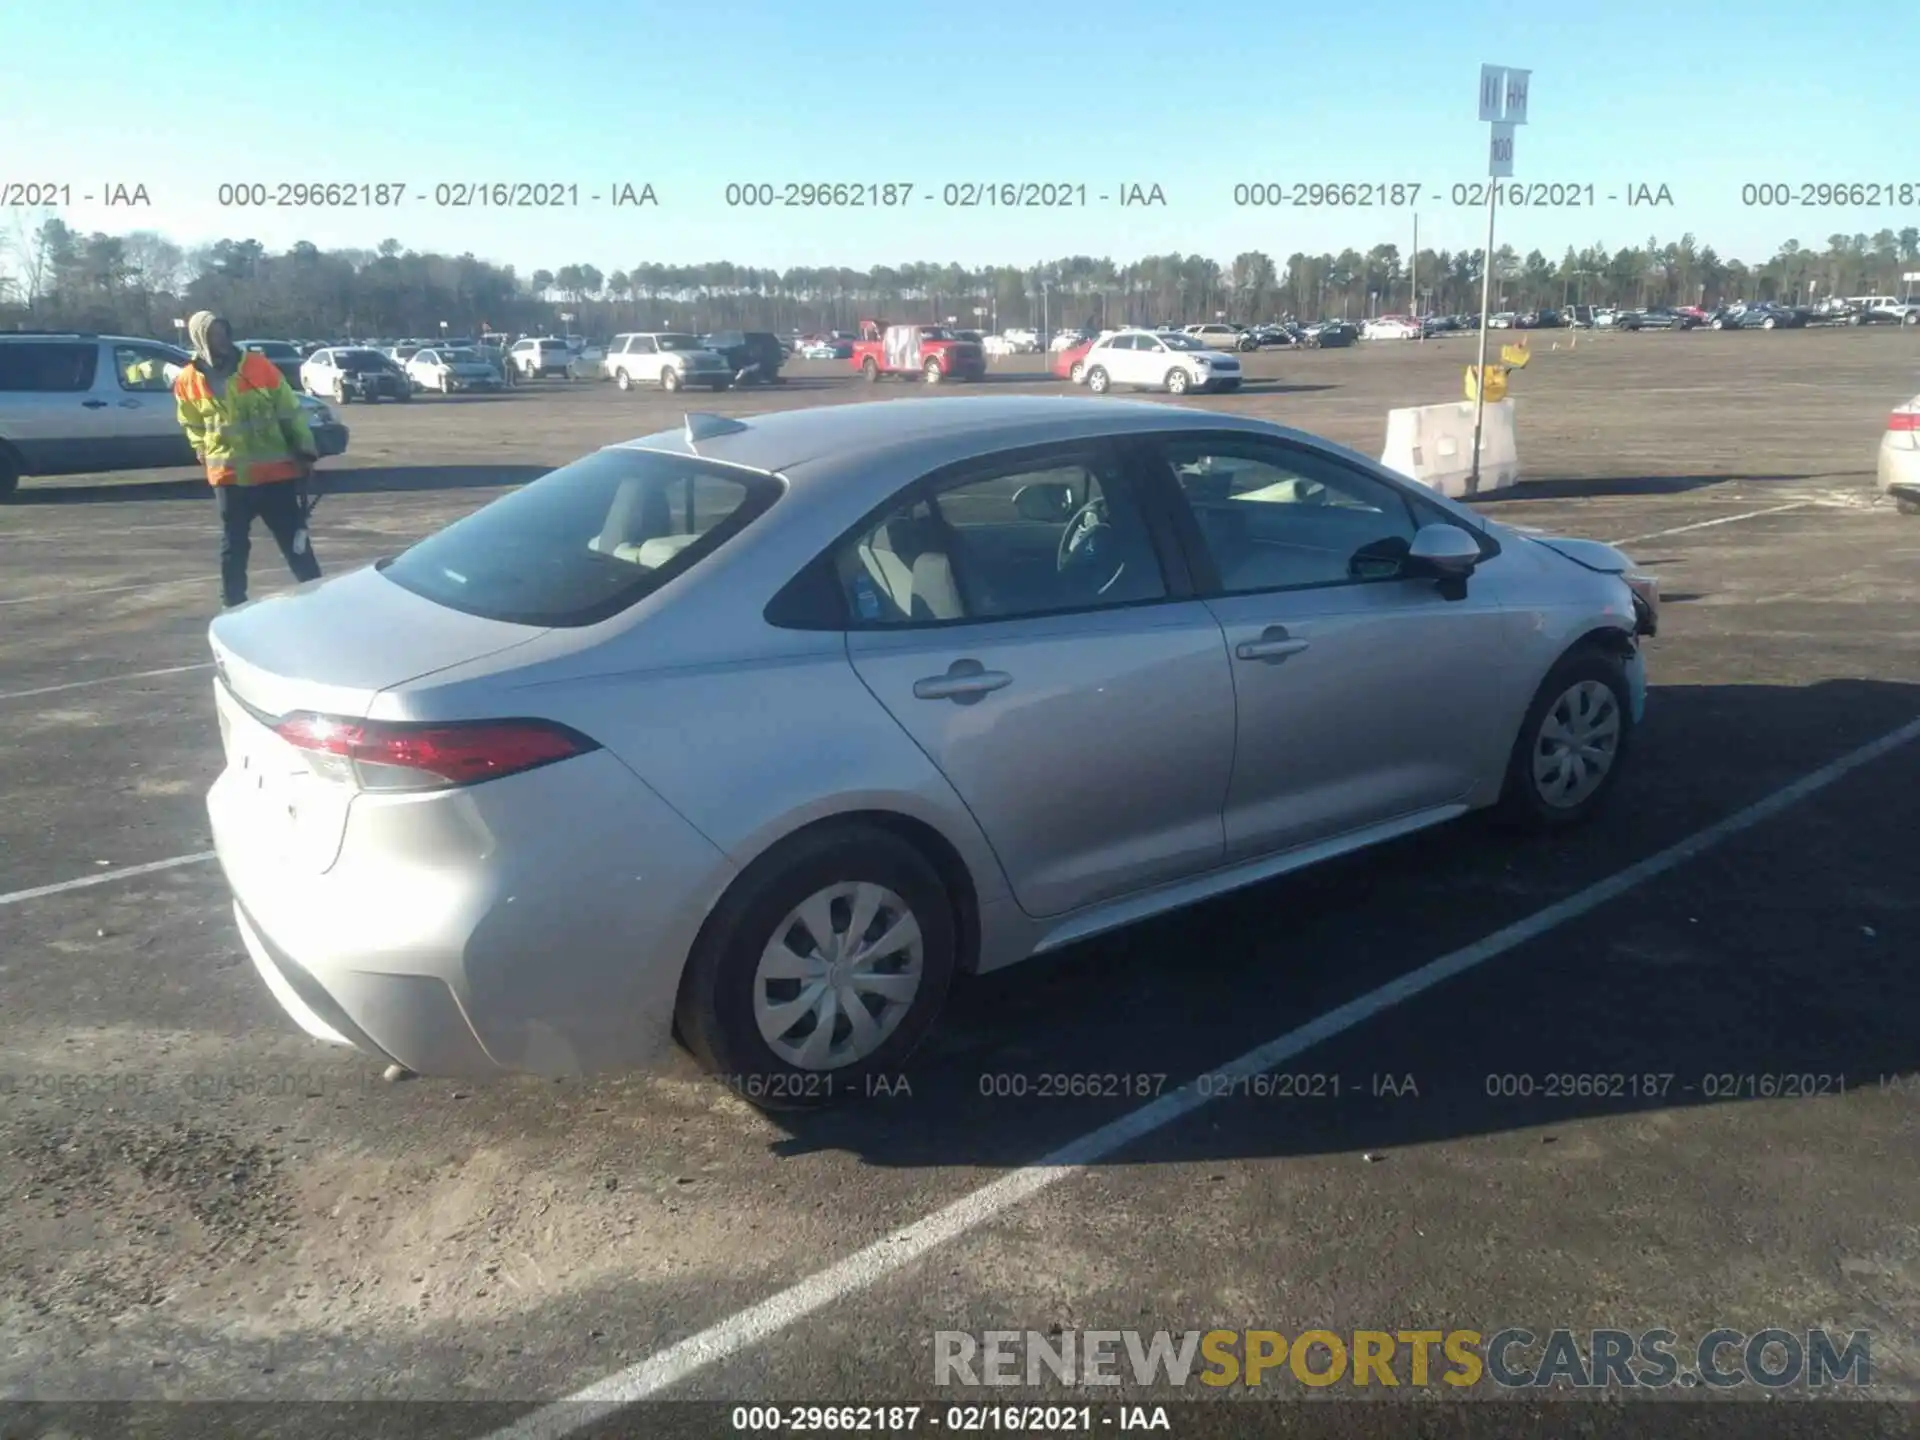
(195, 1202)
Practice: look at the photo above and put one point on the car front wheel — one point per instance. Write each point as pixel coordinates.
(623, 380)
(1568, 753)
(1098, 381)
(1176, 381)
(670, 379)
(824, 966)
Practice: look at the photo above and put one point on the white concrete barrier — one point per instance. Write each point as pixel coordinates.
(1433, 444)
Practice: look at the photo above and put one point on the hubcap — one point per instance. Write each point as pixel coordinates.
(839, 976)
(1177, 382)
(1577, 744)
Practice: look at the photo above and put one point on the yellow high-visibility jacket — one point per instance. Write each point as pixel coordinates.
(254, 433)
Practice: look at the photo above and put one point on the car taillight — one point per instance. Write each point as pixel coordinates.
(1906, 421)
(389, 755)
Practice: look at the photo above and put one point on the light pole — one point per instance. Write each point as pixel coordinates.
(1503, 105)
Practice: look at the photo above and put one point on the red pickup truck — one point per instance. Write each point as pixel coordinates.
(926, 352)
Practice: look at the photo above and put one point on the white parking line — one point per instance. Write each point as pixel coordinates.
(1709, 524)
(105, 877)
(103, 680)
(867, 1267)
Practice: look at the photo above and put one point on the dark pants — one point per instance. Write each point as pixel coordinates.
(281, 506)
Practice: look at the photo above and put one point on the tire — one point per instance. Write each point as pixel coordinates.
(870, 370)
(932, 374)
(1913, 318)
(339, 392)
(1719, 324)
(1586, 680)
(1905, 504)
(1768, 323)
(623, 380)
(670, 380)
(1178, 381)
(724, 994)
(1098, 381)
(9, 479)
(1856, 319)
(1078, 374)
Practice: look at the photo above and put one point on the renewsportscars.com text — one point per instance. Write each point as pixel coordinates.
(1509, 1359)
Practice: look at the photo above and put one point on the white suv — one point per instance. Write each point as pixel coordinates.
(1174, 363)
(667, 359)
(537, 358)
(75, 404)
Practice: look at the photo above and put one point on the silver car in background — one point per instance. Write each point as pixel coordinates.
(758, 731)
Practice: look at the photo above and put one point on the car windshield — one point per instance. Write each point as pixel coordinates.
(274, 349)
(460, 357)
(1182, 342)
(678, 342)
(360, 361)
(551, 345)
(586, 541)
(935, 332)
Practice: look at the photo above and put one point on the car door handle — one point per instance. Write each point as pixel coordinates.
(965, 682)
(93, 404)
(1274, 644)
(129, 404)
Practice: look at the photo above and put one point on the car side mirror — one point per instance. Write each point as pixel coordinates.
(1045, 502)
(1447, 553)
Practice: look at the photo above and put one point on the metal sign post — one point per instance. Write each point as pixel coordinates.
(1503, 105)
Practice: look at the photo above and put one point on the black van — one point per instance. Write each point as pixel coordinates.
(755, 356)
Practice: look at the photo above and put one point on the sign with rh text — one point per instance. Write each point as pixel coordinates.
(1503, 94)
(1500, 151)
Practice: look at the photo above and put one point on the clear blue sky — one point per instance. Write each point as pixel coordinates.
(1700, 97)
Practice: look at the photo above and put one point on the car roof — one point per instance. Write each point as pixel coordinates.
(958, 427)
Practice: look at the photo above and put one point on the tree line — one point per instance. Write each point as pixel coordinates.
(54, 276)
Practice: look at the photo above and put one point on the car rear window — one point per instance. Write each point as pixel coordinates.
(588, 540)
(44, 366)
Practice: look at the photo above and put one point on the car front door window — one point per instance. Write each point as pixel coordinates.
(1365, 695)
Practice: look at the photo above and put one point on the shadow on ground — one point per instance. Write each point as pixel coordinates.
(364, 480)
(1581, 487)
(1638, 989)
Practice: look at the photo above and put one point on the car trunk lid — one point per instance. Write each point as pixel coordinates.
(328, 650)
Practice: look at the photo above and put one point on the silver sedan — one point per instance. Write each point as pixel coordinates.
(757, 732)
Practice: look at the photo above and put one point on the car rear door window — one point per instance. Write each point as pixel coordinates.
(1273, 516)
(48, 367)
(1023, 538)
(585, 542)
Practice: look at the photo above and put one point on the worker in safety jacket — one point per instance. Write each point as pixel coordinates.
(245, 425)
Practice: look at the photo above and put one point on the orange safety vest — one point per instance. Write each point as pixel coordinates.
(253, 433)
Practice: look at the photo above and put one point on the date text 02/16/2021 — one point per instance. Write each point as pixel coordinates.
(951, 195)
(1403, 195)
(442, 195)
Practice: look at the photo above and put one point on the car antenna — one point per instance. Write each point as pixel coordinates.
(703, 426)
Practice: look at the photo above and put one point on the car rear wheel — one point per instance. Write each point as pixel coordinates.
(1098, 381)
(1768, 323)
(825, 965)
(1176, 381)
(1719, 324)
(623, 380)
(933, 373)
(1078, 374)
(1568, 753)
(870, 371)
(339, 392)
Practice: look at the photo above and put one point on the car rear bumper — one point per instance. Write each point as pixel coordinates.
(331, 439)
(535, 924)
(1899, 469)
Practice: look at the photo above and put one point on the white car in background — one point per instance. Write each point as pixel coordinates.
(452, 370)
(1900, 458)
(539, 356)
(665, 358)
(1390, 327)
(1225, 338)
(998, 345)
(1174, 363)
